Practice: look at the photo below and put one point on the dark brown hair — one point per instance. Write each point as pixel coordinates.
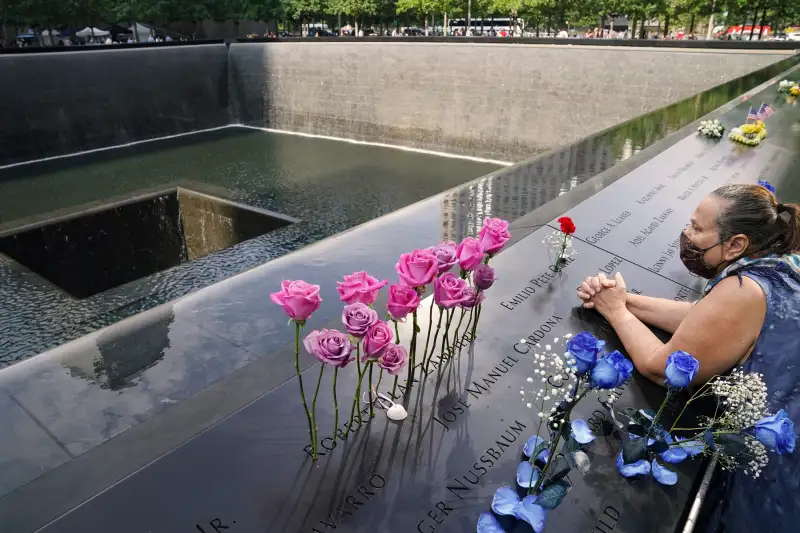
(752, 210)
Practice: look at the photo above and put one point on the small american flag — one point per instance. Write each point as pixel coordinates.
(764, 112)
(751, 115)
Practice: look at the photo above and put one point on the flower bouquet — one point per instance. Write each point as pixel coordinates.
(541, 482)
(786, 86)
(711, 128)
(372, 342)
(749, 134)
(741, 431)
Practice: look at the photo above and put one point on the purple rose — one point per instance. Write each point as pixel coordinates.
(469, 253)
(402, 300)
(446, 255)
(483, 277)
(418, 268)
(298, 299)
(359, 287)
(448, 290)
(471, 298)
(378, 336)
(393, 359)
(329, 346)
(358, 318)
(494, 235)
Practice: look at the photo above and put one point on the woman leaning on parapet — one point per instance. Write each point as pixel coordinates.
(745, 243)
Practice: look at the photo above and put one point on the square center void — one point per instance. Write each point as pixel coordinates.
(91, 252)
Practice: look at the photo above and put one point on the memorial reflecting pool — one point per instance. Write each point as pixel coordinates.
(319, 187)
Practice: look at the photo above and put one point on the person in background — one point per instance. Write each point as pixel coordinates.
(746, 243)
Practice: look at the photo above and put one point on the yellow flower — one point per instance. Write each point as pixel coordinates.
(795, 91)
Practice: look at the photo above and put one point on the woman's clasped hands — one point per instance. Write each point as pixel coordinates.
(604, 295)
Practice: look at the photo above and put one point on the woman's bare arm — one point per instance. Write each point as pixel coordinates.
(659, 312)
(718, 331)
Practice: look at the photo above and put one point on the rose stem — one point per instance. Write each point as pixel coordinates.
(394, 388)
(396, 333)
(460, 320)
(371, 402)
(335, 404)
(302, 393)
(475, 323)
(314, 405)
(378, 386)
(360, 377)
(427, 359)
(413, 348)
(430, 328)
(469, 320)
(445, 337)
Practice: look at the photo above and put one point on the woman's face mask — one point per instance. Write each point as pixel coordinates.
(693, 258)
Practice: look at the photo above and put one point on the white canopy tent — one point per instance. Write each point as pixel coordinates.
(142, 31)
(91, 32)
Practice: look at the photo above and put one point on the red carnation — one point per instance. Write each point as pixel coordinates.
(567, 225)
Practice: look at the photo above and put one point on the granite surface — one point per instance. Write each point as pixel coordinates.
(501, 101)
(60, 103)
(168, 379)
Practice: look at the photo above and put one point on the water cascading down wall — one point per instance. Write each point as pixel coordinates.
(503, 101)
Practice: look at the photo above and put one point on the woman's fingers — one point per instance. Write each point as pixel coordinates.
(596, 286)
(619, 281)
(583, 295)
(587, 288)
(588, 305)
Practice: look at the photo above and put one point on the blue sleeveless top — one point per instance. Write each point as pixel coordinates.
(771, 502)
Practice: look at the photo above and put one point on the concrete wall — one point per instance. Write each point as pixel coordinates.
(58, 103)
(494, 100)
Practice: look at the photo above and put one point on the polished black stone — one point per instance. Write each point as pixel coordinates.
(438, 468)
(96, 250)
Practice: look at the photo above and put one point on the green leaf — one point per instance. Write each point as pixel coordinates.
(539, 448)
(628, 411)
(417, 328)
(557, 470)
(634, 450)
(731, 444)
(637, 429)
(551, 496)
(659, 446)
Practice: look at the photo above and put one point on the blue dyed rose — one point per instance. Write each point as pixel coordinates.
(776, 432)
(585, 348)
(611, 371)
(767, 185)
(681, 369)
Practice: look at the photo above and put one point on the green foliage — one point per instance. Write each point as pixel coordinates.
(551, 496)
(553, 13)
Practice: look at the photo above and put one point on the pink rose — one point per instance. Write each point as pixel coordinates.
(494, 235)
(359, 287)
(448, 290)
(471, 298)
(377, 338)
(483, 277)
(445, 253)
(418, 268)
(393, 359)
(402, 300)
(469, 253)
(358, 318)
(298, 299)
(329, 346)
